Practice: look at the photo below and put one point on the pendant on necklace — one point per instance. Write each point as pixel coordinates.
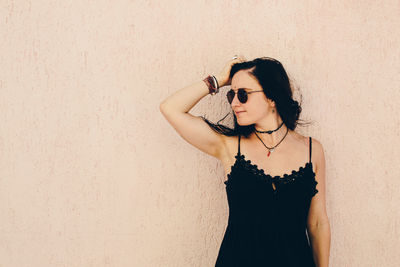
(269, 152)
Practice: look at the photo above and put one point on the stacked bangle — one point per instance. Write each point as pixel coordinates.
(212, 84)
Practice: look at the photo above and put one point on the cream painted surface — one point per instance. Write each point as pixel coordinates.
(91, 174)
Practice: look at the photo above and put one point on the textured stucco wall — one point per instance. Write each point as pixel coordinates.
(91, 174)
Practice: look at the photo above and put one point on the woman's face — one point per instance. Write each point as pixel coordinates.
(257, 105)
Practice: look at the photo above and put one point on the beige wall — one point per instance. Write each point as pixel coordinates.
(91, 174)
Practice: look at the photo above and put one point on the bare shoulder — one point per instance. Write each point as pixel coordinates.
(317, 149)
(317, 154)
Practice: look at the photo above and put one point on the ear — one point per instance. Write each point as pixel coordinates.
(271, 102)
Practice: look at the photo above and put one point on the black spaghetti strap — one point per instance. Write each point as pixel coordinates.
(310, 148)
(239, 146)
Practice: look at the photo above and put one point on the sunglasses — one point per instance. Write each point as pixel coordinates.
(242, 95)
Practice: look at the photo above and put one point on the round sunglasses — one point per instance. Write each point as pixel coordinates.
(242, 95)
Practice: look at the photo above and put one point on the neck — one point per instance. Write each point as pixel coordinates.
(268, 125)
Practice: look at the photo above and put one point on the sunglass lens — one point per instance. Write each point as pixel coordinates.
(230, 96)
(242, 95)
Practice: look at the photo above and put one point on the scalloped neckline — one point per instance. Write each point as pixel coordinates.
(275, 177)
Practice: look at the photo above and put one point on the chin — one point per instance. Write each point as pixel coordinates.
(244, 123)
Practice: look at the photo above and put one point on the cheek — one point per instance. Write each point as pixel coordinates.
(258, 107)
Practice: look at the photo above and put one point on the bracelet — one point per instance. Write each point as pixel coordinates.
(215, 82)
(212, 84)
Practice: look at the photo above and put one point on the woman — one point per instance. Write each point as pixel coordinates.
(275, 176)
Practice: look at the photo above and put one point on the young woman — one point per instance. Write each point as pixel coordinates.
(275, 176)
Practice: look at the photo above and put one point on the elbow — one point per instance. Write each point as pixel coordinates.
(162, 106)
(165, 109)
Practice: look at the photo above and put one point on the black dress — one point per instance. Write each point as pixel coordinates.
(267, 226)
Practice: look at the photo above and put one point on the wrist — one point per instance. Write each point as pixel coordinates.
(220, 81)
(212, 84)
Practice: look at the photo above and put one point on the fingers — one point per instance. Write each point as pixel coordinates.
(241, 57)
(238, 58)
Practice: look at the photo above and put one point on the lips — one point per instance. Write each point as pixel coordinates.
(238, 112)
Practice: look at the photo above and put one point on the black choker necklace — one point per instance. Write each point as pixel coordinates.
(269, 132)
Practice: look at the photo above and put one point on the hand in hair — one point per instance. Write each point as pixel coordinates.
(223, 77)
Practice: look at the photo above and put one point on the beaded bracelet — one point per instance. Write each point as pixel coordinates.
(212, 84)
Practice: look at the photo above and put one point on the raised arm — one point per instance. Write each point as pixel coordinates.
(195, 130)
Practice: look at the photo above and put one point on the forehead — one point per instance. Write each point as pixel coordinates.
(242, 79)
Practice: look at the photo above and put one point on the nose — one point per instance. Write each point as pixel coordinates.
(235, 101)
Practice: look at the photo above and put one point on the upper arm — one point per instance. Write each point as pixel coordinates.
(317, 213)
(195, 131)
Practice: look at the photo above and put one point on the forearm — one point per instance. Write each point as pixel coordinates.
(320, 237)
(184, 99)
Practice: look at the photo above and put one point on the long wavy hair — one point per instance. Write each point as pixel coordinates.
(276, 85)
